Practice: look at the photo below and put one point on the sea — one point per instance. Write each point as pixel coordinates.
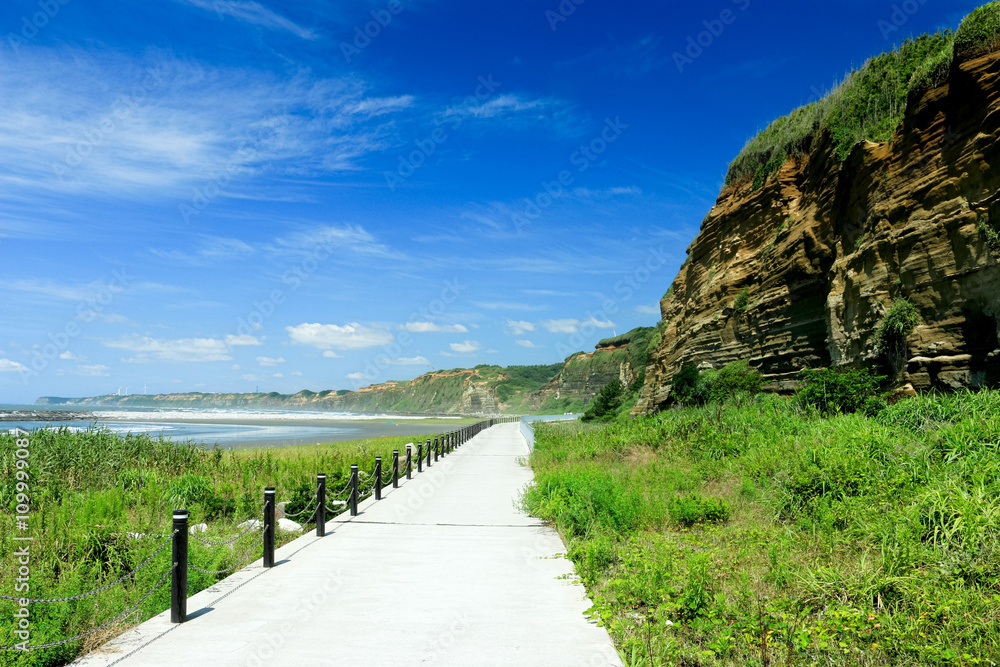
(233, 427)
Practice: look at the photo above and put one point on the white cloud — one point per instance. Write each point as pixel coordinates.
(330, 354)
(647, 310)
(242, 340)
(270, 361)
(278, 375)
(92, 370)
(518, 327)
(526, 343)
(587, 193)
(410, 361)
(8, 366)
(69, 355)
(465, 347)
(351, 336)
(506, 305)
(180, 350)
(357, 376)
(561, 326)
(253, 13)
(430, 327)
(91, 315)
(297, 373)
(211, 250)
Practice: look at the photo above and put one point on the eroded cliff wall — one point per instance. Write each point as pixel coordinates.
(823, 247)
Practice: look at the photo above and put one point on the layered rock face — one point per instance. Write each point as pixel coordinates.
(824, 247)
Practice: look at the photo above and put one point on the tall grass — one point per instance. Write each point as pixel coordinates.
(100, 503)
(759, 532)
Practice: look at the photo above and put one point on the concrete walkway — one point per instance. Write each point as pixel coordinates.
(446, 570)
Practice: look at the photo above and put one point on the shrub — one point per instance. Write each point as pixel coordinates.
(841, 390)
(694, 509)
(897, 324)
(691, 386)
(606, 403)
(742, 301)
(980, 30)
(736, 377)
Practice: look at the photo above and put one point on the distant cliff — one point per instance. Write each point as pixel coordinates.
(565, 387)
(798, 261)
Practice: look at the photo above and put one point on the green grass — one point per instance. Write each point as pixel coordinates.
(760, 533)
(89, 489)
(868, 105)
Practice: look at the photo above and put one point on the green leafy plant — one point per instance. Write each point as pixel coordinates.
(742, 301)
(895, 327)
(989, 234)
(840, 390)
(691, 386)
(735, 378)
(606, 403)
(980, 30)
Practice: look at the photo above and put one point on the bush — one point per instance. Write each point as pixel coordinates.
(897, 324)
(693, 509)
(691, 386)
(736, 377)
(841, 390)
(979, 31)
(742, 301)
(606, 403)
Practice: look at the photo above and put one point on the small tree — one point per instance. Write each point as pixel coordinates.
(896, 326)
(606, 403)
(691, 386)
(841, 390)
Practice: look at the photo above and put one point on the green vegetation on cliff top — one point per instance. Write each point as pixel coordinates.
(868, 105)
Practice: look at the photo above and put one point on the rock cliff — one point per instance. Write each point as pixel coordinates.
(799, 271)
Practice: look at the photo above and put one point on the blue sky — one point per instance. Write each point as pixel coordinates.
(221, 195)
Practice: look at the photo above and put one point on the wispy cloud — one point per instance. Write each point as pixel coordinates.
(242, 340)
(506, 305)
(253, 13)
(570, 326)
(430, 327)
(465, 347)
(517, 327)
(210, 251)
(9, 366)
(148, 349)
(270, 361)
(86, 370)
(410, 361)
(78, 126)
(647, 310)
(527, 343)
(352, 336)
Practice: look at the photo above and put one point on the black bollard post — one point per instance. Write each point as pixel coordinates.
(420, 457)
(354, 490)
(269, 526)
(437, 447)
(428, 453)
(395, 468)
(179, 576)
(321, 505)
(409, 461)
(378, 478)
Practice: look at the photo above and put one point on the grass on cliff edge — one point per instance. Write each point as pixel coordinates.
(90, 489)
(870, 102)
(757, 533)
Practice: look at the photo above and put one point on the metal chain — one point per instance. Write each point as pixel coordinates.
(102, 588)
(239, 563)
(228, 542)
(334, 512)
(100, 627)
(348, 486)
(292, 516)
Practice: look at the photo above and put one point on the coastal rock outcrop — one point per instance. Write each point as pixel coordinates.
(799, 272)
